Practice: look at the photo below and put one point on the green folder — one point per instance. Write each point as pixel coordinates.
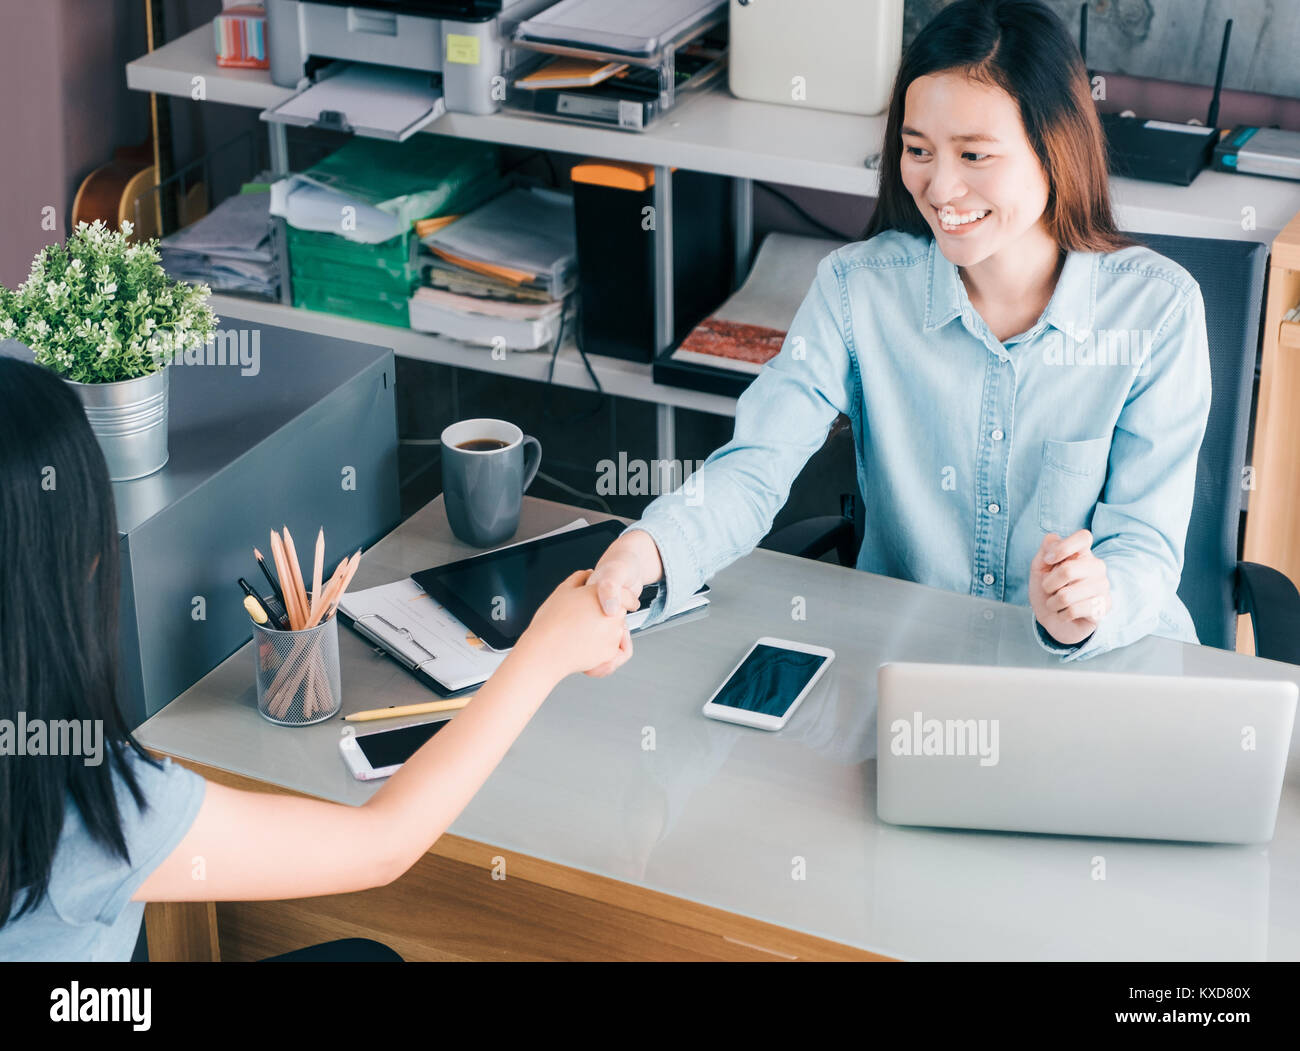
(426, 176)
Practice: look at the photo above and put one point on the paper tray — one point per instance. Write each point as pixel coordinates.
(375, 101)
(639, 33)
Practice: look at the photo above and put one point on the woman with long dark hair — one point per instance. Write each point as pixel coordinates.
(88, 834)
(1028, 389)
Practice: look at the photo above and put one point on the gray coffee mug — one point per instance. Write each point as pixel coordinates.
(483, 485)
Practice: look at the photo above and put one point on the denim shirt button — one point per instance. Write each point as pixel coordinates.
(994, 509)
(988, 579)
(997, 434)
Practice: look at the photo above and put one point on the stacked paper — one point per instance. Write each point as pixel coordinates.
(500, 275)
(229, 249)
(525, 236)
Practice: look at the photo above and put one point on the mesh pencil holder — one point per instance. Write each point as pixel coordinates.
(298, 673)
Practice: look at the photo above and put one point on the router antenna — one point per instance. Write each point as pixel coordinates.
(1213, 119)
(1083, 33)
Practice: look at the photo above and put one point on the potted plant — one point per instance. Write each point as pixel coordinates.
(102, 313)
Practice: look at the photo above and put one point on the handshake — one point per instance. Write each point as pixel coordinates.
(571, 632)
(582, 625)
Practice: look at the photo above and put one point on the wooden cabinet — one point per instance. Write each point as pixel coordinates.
(1273, 515)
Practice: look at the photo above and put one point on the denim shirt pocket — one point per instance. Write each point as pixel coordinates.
(1072, 479)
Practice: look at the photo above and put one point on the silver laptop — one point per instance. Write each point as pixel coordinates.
(1082, 753)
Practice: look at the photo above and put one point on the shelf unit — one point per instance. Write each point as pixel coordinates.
(716, 132)
(709, 131)
(712, 131)
(625, 379)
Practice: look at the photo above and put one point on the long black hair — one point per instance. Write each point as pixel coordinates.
(58, 627)
(1022, 47)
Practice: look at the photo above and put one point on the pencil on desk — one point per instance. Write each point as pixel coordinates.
(427, 708)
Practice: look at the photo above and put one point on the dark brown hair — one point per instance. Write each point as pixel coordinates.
(1021, 47)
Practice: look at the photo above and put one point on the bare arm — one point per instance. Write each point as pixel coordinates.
(258, 846)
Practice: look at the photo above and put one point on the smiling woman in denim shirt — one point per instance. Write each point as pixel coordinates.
(1028, 388)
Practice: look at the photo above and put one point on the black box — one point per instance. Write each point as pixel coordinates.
(612, 213)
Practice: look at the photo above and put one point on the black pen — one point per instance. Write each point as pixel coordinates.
(266, 572)
(271, 617)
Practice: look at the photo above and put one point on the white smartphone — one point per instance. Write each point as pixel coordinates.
(769, 683)
(381, 753)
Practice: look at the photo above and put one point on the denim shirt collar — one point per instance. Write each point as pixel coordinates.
(1071, 309)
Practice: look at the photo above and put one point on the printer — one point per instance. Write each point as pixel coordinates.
(402, 62)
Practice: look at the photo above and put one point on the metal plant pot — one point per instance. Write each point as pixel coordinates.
(130, 420)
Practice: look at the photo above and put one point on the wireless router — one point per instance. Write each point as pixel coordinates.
(1157, 150)
(1248, 150)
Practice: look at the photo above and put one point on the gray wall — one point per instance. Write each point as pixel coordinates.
(1177, 39)
(64, 107)
(53, 55)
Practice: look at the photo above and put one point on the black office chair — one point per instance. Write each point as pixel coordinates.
(1216, 587)
(342, 950)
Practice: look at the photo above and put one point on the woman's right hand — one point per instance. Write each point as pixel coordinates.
(628, 565)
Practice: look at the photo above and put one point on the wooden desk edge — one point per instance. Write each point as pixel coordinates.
(188, 931)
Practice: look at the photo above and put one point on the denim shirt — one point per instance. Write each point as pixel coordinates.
(970, 450)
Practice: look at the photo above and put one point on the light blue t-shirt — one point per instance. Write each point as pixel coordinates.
(970, 450)
(88, 913)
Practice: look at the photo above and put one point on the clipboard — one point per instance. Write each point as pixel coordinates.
(417, 669)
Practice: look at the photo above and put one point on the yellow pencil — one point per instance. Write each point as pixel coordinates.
(427, 708)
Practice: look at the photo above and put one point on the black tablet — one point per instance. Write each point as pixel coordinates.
(496, 594)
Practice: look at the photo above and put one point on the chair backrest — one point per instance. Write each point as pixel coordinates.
(1231, 275)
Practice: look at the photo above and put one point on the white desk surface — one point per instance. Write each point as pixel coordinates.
(716, 132)
(716, 814)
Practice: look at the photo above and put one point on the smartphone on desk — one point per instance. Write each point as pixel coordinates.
(769, 683)
(381, 753)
